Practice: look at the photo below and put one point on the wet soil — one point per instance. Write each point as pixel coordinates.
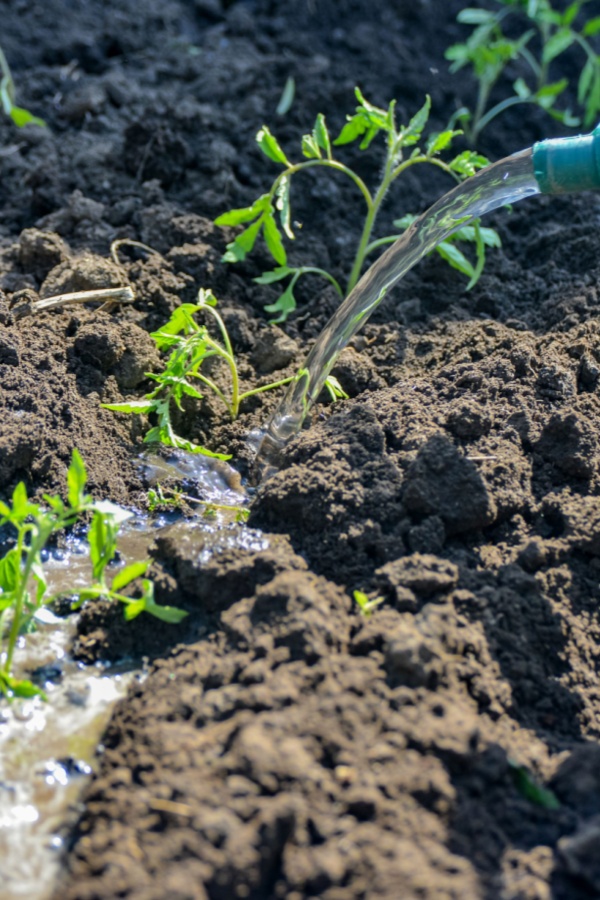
(283, 745)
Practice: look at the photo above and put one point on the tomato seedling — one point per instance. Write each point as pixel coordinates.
(270, 214)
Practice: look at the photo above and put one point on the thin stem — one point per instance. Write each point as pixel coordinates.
(331, 164)
(266, 387)
(305, 270)
(217, 390)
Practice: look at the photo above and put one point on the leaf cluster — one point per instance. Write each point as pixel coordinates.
(270, 214)
(546, 34)
(23, 582)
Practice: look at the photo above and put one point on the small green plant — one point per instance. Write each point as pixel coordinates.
(530, 789)
(190, 345)
(169, 498)
(365, 605)
(23, 583)
(19, 115)
(546, 34)
(403, 150)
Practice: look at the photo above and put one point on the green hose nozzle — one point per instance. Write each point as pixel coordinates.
(565, 165)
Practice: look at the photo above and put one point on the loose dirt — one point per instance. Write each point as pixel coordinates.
(282, 745)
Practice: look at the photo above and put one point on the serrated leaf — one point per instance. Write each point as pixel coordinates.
(129, 574)
(283, 205)
(269, 145)
(238, 249)
(310, 148)
(284, 305)
(439, 142)
(274, 275)
(273, 240)
(412, 133)
(245, 213)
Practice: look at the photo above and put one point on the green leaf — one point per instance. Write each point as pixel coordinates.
(336, 391)
(585, 81)
(131, 406)
(591, 27)
(557, 44)
(39, 576)
(439, 142)
(310, 148)
(238, 249)
(355, 127)
(277, 274)
(15, 687)
(269, 145)
(475, 16)
(102, 543)
(129, 574)
(10, 570)
(321, 135)
(468, 162)
(76, 481)
(273, 240)
(245, 214)
(20, 503)
(283, 205)
(22, 117)
(287, 97)
(412, 133)
(134, 608)
(284, 305)
(453, 256)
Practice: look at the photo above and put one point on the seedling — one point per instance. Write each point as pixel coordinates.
(19, 115)
(23, 583)
(365, 605)
(546, 34)
(190, 346)
(169, 498)
(403, 150)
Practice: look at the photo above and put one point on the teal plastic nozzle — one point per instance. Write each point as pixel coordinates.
(567, 165)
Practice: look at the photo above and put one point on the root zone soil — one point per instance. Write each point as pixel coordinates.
(282, 746)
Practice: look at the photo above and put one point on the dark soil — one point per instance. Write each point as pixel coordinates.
(282, 746)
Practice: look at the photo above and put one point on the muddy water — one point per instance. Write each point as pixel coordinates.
(47, 749)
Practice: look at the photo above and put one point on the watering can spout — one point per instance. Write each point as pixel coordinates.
(567, 165)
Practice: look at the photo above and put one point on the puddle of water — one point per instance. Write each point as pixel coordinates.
(47, 749)
(46, 753)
